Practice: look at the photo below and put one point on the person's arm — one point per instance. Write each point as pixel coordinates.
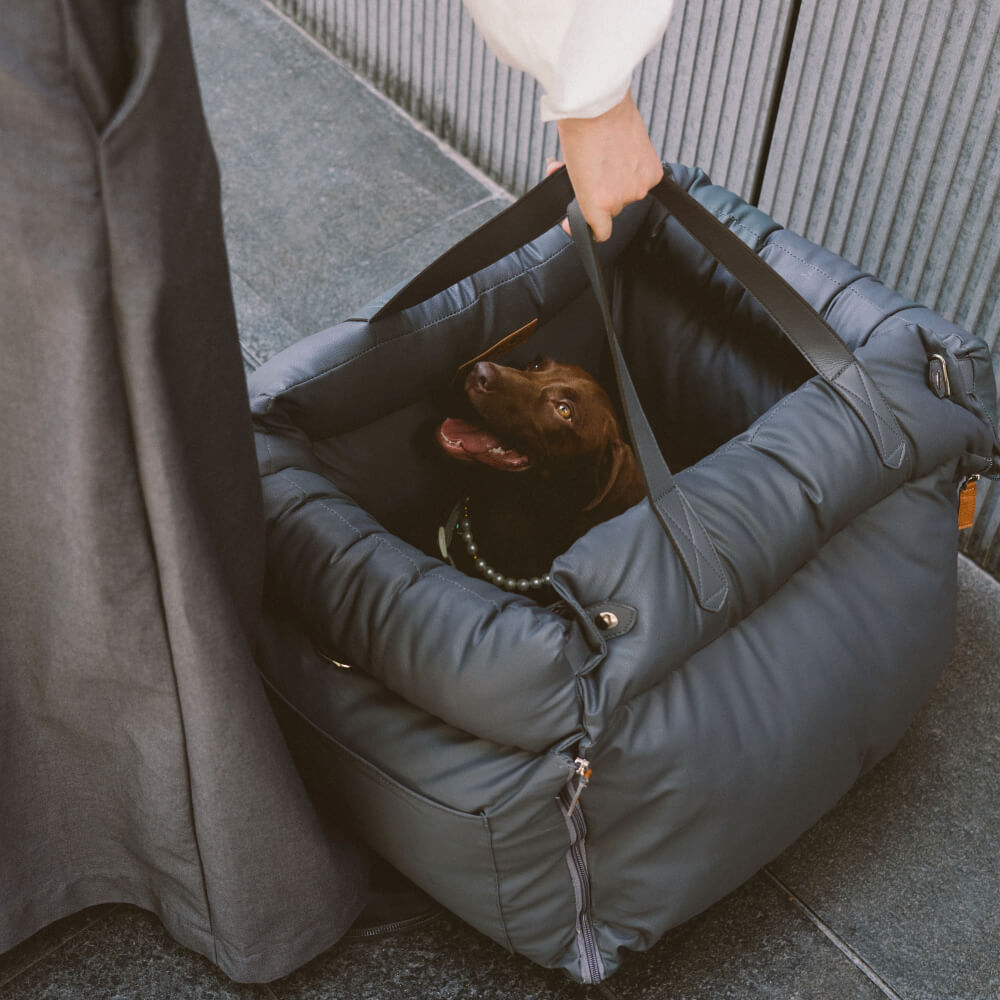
(583, 53)
(610, 162)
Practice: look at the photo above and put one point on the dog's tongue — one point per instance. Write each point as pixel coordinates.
(474, 443)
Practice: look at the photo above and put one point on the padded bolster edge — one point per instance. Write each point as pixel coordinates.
(453, 645)
(770, 499)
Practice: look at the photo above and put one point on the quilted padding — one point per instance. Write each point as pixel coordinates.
(715, 738)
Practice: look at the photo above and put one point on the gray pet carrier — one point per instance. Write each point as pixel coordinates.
(727, 657)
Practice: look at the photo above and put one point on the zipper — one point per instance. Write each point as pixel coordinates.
(583, 772)
(394, 926)
(591, 964)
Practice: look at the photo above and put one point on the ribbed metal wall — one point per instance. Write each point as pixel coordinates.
(886, 146)
(886, 149)
(870, 126)
(426, 56)
(706, 90)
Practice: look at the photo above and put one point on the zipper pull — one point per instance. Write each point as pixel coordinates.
(967, 502)
(583, 773)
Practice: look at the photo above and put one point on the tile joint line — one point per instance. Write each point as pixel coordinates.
(835, 939)
(497, 190)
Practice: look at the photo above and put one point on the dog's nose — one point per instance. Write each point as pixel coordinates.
(481, 377)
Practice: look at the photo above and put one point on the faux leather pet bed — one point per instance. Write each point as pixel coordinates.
(723, 663)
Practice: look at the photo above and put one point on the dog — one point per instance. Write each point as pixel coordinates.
(548, 460)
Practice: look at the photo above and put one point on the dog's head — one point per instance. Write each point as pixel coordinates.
(551, 417)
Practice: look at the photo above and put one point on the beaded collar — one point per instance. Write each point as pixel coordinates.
(461, 520)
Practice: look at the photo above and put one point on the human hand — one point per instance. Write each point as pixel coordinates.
(610, 162)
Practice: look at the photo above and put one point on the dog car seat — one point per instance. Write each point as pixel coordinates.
(451, 724)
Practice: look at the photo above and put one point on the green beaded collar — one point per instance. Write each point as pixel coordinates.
(461, 521)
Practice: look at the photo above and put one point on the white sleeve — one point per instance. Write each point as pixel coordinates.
(582, 52)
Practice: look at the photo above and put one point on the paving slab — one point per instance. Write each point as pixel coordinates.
(125, 955)
(441, 960)
(330, 194)
(751, 946)
(907, 868)
(47, 942)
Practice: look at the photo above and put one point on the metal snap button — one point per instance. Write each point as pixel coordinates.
(607, 620)
(938, 376)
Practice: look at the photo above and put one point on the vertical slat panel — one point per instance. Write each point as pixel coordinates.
(887, 151)
(886, 146)
(705, 89)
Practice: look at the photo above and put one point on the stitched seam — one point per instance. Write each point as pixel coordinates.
(740, 440)
(695, 563)
(732, 222)
(865, 400)
(847, 288)
(700, 557)
(712, 556)
(976, 396)
(763, 422)
(499, 284)
(496, 881)
(888, 432)
(686, 532)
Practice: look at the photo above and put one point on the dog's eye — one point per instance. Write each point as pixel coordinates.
(564, 410)
(535, 363)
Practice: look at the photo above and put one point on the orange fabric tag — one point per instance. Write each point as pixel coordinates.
(967, 504)
(501, 347)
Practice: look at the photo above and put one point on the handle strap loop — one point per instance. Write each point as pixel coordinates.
(812, 336)
(671, 506)
(543, 207)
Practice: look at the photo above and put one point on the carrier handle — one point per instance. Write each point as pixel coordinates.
(811, 335)
(545, 205)
(678, 518)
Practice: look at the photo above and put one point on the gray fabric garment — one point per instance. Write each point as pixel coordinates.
(139, 759)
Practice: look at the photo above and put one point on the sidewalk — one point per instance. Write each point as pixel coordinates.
(331, 197)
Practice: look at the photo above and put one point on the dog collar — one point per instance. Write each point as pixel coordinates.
(461, 521)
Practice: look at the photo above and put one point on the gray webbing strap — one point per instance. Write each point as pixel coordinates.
(679, 520)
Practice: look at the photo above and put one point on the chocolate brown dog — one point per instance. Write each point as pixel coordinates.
(550, 461)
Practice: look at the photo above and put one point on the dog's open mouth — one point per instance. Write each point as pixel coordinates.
(472, 442)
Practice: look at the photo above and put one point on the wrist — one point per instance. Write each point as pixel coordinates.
(611, 118)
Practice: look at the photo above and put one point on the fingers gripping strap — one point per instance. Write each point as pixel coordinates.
(815, 339)
(678, 517)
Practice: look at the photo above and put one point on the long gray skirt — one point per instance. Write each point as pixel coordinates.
(139, 759)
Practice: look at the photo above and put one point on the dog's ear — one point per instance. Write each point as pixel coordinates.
(615, 461)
